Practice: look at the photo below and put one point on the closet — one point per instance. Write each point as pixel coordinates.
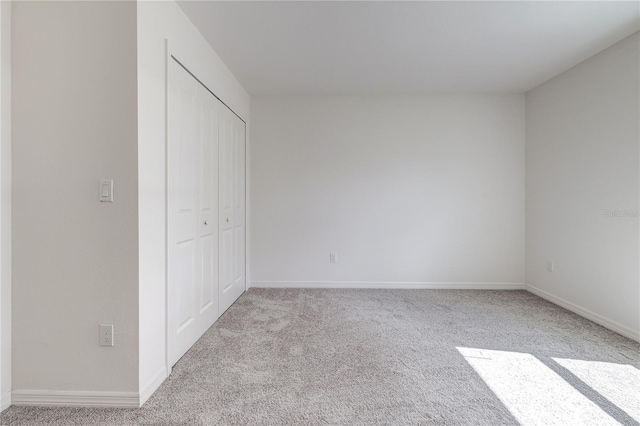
(205, 209)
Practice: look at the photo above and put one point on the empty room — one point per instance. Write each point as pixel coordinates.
(319, 212)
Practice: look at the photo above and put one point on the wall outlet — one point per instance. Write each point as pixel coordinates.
(550, 265)
(333, 258)
(106, 334)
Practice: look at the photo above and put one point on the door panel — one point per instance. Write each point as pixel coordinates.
(182, 210)
(207, 298)
(192, 214)
(232, 208)
(208, 209)
(185, 259)
(226, 281)
(239, 211)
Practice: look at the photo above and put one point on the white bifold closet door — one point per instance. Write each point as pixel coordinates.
(232, 208)
(192, 210)
(205, 210)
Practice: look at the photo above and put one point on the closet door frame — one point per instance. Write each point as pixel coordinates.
(175, 54)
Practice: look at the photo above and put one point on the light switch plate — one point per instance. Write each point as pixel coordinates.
(106, 191)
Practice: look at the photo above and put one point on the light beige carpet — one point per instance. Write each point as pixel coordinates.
(356, 357)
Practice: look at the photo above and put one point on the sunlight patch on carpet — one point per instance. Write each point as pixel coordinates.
(532, 392)
(619, 383)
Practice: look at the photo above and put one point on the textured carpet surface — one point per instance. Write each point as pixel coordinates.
(356, 357)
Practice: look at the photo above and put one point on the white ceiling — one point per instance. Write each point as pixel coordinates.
(375, 47)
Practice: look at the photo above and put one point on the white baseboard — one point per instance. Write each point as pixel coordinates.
(390, 285)
(153, 385)
(597, 318)
(43, 398)
(5, 401)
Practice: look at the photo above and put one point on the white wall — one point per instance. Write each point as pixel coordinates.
(408, 191)
(5, 204)
(158, 21)
(582, 159)
(75, 260)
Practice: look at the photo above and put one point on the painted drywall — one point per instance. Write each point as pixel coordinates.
(581, 162)
(5, 204)
(409, 191)
(157, 23)
(390, 47)
(75, 259)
